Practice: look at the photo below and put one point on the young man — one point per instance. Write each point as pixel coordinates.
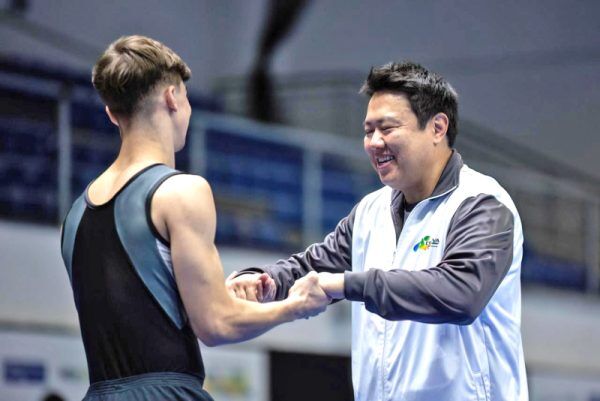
(139, 244)
(432, 260)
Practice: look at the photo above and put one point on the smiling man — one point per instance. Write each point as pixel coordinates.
(432, 259)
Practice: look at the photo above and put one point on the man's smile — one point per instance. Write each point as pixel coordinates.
(384, 161)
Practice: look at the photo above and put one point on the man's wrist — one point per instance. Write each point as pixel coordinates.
(291, 308)
(332, 284)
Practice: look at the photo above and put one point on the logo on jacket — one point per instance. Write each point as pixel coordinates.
(426, 243)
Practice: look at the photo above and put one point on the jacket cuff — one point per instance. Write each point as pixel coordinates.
(251, 270)
(354, 285)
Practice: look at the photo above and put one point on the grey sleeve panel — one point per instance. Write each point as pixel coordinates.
(69, 232)
(333, 255)
(139, 242)
(478, 254)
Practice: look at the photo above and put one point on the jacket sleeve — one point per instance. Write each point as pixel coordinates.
(478, 254)
(332, 255)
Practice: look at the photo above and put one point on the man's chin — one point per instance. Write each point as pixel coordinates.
(389, 181)
(385, 181)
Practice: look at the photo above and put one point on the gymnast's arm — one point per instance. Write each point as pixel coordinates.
(183, 212)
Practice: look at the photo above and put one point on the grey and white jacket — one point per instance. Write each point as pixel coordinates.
(437, 306)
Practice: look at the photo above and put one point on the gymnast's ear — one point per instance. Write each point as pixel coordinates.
(170, 98)
(112, 117)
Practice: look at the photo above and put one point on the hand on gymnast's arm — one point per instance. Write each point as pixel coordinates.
(332, 284)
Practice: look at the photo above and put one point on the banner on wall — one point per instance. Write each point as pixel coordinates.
(34, 365)
(236, 375)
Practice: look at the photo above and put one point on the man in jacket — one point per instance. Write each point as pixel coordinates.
(432, 260)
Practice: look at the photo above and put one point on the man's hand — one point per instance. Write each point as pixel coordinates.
(257, 287)
(308, 297)
(332, 284)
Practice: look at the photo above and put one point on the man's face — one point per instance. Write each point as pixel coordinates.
(400, 152)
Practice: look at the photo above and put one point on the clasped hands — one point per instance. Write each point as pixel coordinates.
(314, 291)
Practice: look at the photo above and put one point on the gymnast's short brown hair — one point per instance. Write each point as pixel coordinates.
(131, 67)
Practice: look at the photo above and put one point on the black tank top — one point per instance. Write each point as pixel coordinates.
(131, 316)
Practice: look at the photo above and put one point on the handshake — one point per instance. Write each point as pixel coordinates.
(308, 297)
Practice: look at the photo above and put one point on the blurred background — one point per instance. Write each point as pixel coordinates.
(277, 130)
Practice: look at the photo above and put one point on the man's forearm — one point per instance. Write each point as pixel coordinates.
(333, 255)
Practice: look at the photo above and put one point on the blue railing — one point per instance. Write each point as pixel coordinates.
(275, 187)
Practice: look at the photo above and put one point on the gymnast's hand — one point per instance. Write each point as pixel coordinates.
(257, 287)
(308, 297)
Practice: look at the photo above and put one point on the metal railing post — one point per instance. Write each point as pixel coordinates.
(197, 138)
(64, 144)
(592, 246)
(312, 203)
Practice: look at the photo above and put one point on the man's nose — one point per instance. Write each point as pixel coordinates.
(377, 139)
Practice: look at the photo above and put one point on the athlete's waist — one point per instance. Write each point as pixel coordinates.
(145, 380)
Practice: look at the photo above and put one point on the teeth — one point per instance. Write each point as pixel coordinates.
(385, 159)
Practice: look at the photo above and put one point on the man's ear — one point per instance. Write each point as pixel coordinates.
(169, 95)
(112, 117)
(440, 127)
